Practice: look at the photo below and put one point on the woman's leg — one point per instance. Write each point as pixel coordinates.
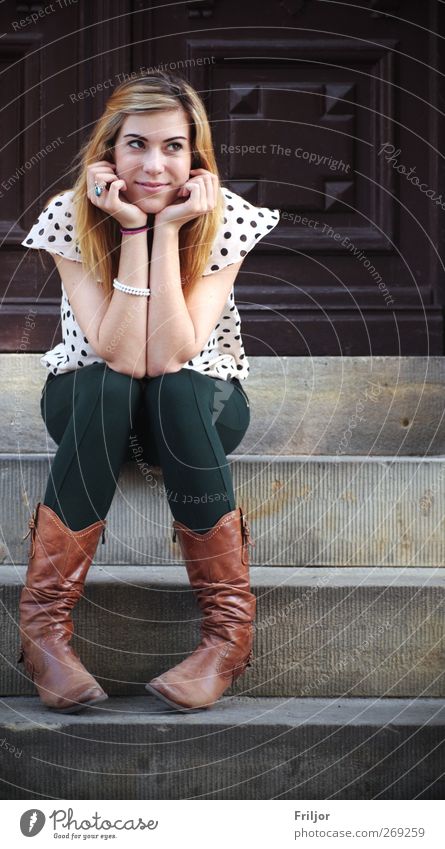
(89, 413)
(195, 421)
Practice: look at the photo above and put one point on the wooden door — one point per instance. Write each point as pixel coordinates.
(331, 112)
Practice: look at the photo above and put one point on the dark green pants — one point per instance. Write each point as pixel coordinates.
(184, 422)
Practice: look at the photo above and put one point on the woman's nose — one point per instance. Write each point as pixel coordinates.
(153, 163)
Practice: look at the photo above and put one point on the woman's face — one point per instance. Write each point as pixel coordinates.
(153, 147)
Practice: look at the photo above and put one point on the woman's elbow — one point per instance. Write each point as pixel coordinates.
(154, 370)
(131, 371)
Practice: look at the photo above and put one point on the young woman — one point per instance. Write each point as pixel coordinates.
(147, 245)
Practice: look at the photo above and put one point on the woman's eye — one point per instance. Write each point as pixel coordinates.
(177, 145)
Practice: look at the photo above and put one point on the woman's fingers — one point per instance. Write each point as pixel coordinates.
(100, 179)
(101, 164)
(210, 192)
(100, 173)
(115, 187)
(211, 183)
(103, 174)
(202, 196)
(203, 192)
(111, 181)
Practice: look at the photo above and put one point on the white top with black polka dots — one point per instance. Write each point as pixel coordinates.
(242, 226)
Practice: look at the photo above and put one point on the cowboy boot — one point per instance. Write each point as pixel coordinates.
(217, 564)
(59, 560)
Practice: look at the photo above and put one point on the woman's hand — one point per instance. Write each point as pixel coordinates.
(127, 214)
(197, 196)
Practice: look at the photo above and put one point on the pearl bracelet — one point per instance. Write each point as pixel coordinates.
(130, 290)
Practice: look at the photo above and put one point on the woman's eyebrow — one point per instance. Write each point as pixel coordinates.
(138, 136)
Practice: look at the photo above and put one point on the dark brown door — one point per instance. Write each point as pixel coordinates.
(328, 111)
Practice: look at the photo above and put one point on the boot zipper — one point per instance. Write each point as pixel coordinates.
(174, 535)
(32, 530)
(246, 531)
(103, 535)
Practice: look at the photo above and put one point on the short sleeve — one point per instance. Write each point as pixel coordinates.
(243, 226)
(54, 230)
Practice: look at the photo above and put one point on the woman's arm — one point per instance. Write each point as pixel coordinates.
(204, 303)
(122, 332)
(114, 324)
(171, 333)
(170, 330)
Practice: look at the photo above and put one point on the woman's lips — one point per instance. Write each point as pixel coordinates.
(152, 189)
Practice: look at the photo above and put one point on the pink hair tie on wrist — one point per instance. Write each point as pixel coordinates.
(134, 229)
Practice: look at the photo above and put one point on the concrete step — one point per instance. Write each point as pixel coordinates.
(311, 511)
(373, 406)
(319, 632)
(242, 748)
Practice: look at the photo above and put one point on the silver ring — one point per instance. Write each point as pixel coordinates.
(99, 189)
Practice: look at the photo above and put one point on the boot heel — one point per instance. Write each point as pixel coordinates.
(239, 670)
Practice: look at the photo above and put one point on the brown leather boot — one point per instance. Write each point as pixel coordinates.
(59, 560)
(217, 564)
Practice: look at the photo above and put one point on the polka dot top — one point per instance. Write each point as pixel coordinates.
(223, 356)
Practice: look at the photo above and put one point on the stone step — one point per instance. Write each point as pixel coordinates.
(310, 511)
(242, 748)
(374, 406)
(319, 632)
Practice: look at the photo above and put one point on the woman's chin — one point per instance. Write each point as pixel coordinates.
(150, 203)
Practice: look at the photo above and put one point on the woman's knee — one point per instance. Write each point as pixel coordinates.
(118, 386)
(175, 390)
(100, 383)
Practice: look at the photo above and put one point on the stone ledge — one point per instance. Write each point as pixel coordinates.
(311, 511)
(240, 749)
(299, 405)
(319, 632)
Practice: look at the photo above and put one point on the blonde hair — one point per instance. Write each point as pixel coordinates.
(97, 232)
